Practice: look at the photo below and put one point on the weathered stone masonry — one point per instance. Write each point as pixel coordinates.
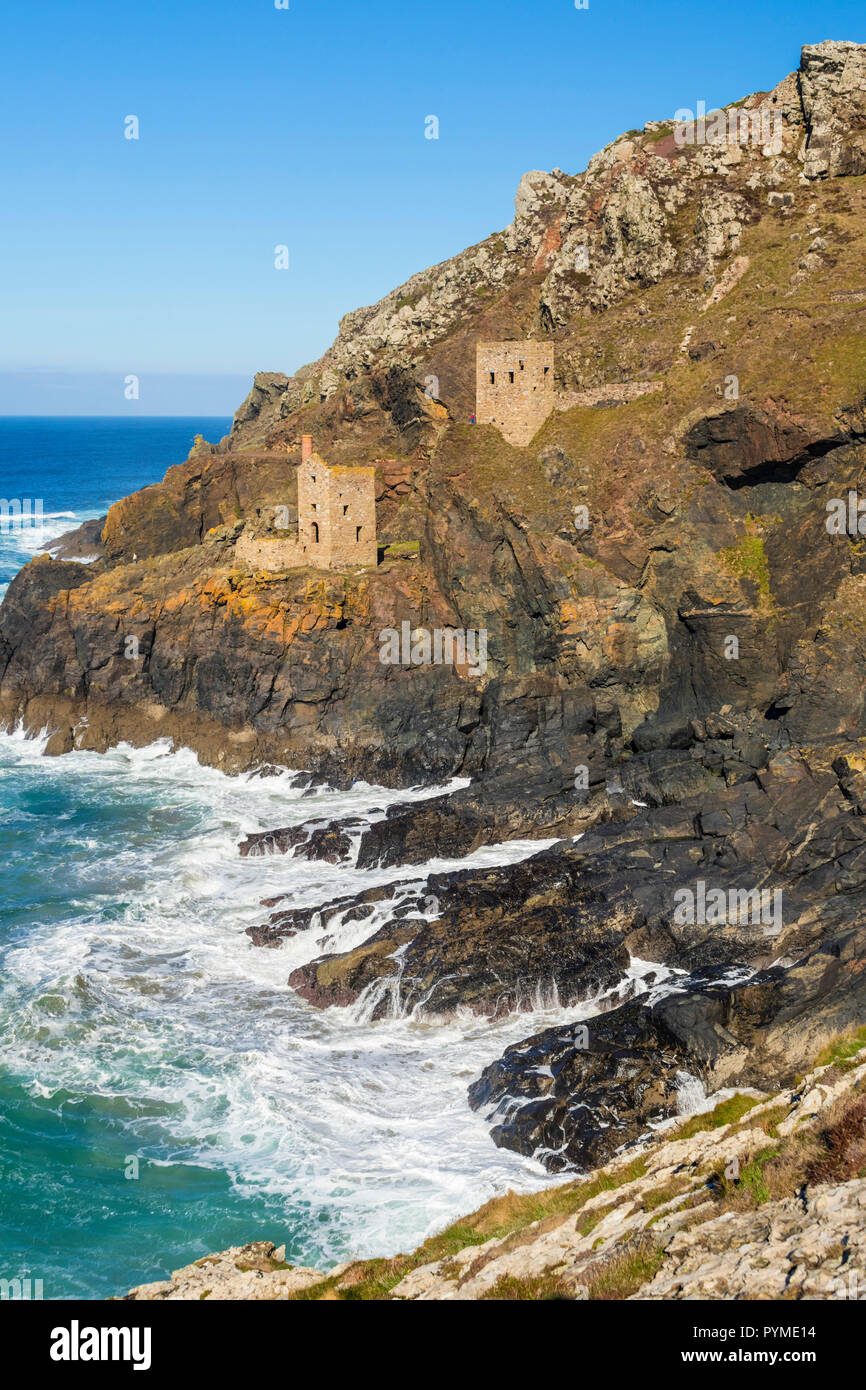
(336, 520)
(514, 387)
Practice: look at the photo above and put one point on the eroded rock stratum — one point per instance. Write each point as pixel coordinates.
(705, 512)
(670, 579)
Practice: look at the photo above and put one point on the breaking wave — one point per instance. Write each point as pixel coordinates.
(140, 1031)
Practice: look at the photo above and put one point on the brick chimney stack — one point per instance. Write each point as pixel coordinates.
(306, 446)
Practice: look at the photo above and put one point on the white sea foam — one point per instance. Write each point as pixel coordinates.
(23, 540)
(18, 544)
(691, 1093)
(148, 989)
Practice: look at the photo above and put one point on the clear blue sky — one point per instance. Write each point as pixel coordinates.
(304, 127)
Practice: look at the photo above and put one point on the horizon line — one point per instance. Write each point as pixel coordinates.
(141, 415)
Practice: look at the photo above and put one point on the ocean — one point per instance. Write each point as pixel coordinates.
(163, 1094)
(65, 470)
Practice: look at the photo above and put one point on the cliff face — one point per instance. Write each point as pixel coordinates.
(670, 579)
(706, 306)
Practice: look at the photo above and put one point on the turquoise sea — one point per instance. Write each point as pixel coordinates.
(163, 1093)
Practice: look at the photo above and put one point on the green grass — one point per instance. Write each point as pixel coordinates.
(540, 1288)
(587, 1224)
(769, 1120)
(843, 360)
(748, 560)
(659, 1195)
(399, 548)
(843, 1049)
(727, 1112)
(752, 1179)
(660, 134)
(615, 1278)
(624, 1274)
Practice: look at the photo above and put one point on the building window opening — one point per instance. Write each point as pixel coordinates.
(511, 376)
(492, 378)
(546, 370)
(345, 509)
(357, 535)
(315, 533)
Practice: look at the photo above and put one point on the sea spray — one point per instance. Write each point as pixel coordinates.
(137, 1022)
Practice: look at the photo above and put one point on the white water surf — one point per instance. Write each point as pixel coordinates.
(147, 989)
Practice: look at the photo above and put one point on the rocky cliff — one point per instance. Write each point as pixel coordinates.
(671, 580)
(709, 356)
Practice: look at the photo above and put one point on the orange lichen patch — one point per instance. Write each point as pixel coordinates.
(570, 614)
(218, 588)
(291, 628)
(244, 606)
(172, 602)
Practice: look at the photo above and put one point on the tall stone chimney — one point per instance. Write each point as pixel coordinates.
(306, 446)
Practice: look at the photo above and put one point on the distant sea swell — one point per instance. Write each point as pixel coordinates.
(70, 469)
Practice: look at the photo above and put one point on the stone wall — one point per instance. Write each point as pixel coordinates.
(314, 512)
(353, 516)
(336, 522)
(336, 514)
(514, 387)
(260, 553)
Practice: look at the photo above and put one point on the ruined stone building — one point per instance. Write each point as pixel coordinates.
(336, 512)
(514, 387)
(336, 520)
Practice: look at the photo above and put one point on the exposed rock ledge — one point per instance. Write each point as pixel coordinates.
(254, 1271)
(770, 1205)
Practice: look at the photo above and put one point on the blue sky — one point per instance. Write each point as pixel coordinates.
(303, 127)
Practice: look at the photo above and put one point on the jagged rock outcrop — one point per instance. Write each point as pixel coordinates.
(256, 1272)
(476, 955)
(833, 91)
(763, 1198)
(788, 1250)
(704, 299)
(718, 855)
(574, 1099)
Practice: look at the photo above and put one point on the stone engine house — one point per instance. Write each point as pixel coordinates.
(514, 387)
(336, 512)
(336, 520)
